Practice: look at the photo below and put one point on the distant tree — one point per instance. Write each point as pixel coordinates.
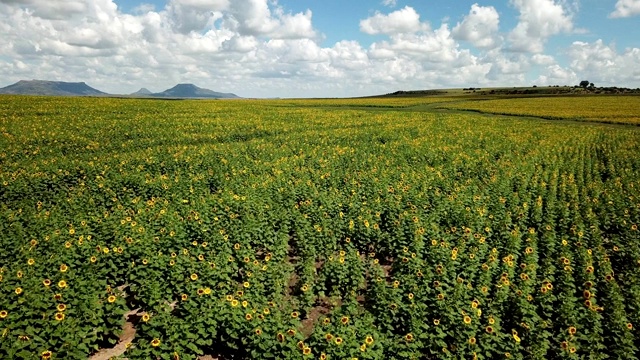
(584, 83)
(591, 85)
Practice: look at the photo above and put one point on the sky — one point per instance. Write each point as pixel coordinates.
(320, 48)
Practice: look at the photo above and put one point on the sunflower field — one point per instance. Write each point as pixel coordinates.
(257, 229)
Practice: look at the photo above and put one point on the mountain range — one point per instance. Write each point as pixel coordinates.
(61, 88)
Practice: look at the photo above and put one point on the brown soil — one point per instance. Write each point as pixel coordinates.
(128, 333)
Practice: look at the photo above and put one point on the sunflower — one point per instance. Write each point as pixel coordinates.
(200, 292)
(246, 284)
(338, 340)
(184, 297)
(258, 331)
(146, 317)
(59, 316)
(472, 341)
(409, 337)
(295, 314)
(61, 307)
(3, 314)
(344, 320)
(368, 340)
(57, 297)
(245, 303)
(572, 330)
(62, 284)
(111, 299)
(516, 338)
(291, 332)
(93, 259)
(440, 296)
(18, 290)
(280, 337)
(46, 355)
(248, 317)
(489, 329)
(630, 326)
(467, 319)
(234, 302)
(564, 345)
(155, 342)
(572, 349)
(328, 336)
(31, 262)
(436, 322)
(363, 347)
(306, 350)
(194, 276)
(64, 268)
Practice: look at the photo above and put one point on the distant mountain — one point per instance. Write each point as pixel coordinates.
(61, 88)
(192, 91)
(142, 92)
(55, 88)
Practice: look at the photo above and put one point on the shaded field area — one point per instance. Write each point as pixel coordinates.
(293, 229)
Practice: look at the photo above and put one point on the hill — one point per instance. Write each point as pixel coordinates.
(192, 91)
(142, 92)
(54, 88)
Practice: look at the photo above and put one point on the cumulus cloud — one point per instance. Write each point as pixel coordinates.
(259, 48)
(626, 8)
(541, 59)
(602, 64)
(538, 20)
(405, 20)
(479, 27)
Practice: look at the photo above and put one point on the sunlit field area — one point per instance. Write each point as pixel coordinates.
(325, 229)
(608, 109)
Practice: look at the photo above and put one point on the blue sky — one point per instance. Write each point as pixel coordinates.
(264, 48)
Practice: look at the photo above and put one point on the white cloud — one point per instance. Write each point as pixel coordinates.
(603, 65)
(259, 48)
(538, 20)
(479, 27)
(626, 8)
(540, 59)
(390, 3)
(405, 20)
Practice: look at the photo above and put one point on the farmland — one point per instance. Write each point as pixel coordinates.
(330, 229)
